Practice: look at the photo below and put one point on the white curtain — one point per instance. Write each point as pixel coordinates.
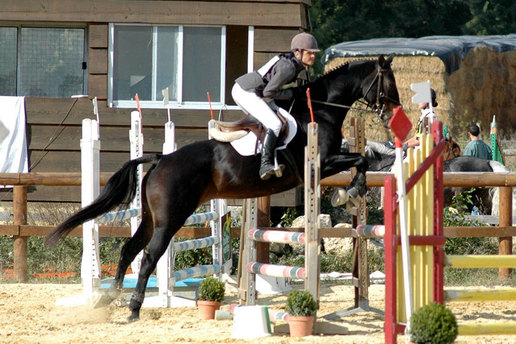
(13, 142)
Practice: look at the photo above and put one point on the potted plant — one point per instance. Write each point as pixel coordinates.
(433, 323)
(211, 294)
(301, 307)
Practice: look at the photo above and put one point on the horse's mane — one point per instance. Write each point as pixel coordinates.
(338, 68)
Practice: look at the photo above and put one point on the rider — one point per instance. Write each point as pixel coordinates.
(427, 113)
(255, 92)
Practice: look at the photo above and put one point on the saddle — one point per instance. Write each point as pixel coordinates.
(230, 131)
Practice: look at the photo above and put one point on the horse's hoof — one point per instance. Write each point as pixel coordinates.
(339, 197)
(135, 316)
(105, 298)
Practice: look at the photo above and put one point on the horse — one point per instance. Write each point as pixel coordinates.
(381, 157)
(178, 183)
(481, 197)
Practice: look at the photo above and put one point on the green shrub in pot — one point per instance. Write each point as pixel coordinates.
(433, 324)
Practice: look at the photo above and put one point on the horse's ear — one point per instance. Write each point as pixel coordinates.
(385, 63)
(389, 59)
(381, 60)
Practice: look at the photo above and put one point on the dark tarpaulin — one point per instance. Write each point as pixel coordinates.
(450, 49)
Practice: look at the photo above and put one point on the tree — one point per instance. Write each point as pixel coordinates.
(336, 21)
(494, 17)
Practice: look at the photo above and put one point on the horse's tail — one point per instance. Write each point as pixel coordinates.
(497, 167)
(120, 189)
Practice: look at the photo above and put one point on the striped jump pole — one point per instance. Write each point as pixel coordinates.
(220, 241)
(482, 294)
(310, 238)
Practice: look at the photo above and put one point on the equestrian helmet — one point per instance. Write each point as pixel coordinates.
(304, 41)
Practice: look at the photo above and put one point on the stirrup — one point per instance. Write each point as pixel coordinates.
(278, 168)
(267, 174)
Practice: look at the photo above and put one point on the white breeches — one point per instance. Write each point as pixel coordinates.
(257, 107)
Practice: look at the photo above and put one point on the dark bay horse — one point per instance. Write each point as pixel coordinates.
(481, 197)
(178, 183)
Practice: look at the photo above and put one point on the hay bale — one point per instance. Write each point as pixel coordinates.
(482, 87)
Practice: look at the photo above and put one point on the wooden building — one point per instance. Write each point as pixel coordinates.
(112, 49)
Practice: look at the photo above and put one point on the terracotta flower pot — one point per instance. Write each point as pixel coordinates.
(207, 308)
(300, 326)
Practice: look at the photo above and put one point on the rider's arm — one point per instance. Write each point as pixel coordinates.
(282, 73)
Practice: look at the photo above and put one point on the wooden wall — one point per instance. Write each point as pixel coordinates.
(54, 124)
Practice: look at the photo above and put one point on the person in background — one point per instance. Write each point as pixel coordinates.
(476, 147)
(255, 92)
(427, 113)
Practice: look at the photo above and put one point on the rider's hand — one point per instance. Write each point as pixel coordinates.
(298, 92)
(259, 92)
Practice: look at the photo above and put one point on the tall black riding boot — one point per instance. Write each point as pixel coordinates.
(267, 163)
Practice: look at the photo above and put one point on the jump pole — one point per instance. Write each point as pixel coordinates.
(310, 238)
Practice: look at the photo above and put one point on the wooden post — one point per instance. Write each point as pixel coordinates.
(359, 217)
(312, 210)
(505, 221)
(264, 220)
(20, 242)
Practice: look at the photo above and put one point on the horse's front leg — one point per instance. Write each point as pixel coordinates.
(358, 187)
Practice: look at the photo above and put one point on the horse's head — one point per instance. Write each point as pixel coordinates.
(451, 149)
(380, 91)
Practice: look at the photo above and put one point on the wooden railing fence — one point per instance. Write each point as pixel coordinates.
(21, 231)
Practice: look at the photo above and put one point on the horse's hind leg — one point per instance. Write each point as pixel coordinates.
(157, 246)
(129, 251)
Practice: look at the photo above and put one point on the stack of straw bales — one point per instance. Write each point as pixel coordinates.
(484, 85)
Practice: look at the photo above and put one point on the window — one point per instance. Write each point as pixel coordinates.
(42, 62)
(189, 60)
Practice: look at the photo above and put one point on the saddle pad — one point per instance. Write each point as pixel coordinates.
(246, 145)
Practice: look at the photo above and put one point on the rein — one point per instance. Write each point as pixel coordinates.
(380, 94)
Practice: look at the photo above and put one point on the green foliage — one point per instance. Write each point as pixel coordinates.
(187, 259)
(288, 217)
(211, 289)
(301, 303)
(494, 17)
(455, 216)
(336, 21)
(433, 324)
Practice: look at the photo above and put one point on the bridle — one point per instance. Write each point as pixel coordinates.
(379, 106)
(450, 150)
(380, 93)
